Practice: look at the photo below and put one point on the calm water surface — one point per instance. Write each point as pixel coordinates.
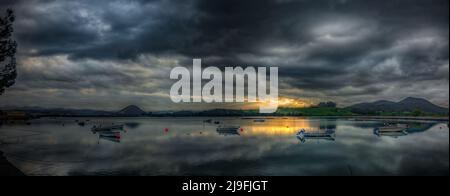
(191, 146)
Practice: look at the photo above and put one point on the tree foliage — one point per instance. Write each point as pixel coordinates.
(327, 105)
(8, 47)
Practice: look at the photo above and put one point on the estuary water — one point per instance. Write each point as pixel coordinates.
(224, 146)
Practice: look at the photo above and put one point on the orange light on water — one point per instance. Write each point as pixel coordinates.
(278, 128)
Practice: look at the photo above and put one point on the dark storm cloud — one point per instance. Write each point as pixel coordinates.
(126, 29)
(340, 49)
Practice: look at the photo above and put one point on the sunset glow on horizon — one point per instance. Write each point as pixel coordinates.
(287, 102)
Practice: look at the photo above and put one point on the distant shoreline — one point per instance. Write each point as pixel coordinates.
(441, 119)
(424, 118)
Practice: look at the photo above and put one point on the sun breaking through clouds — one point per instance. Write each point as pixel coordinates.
(108, 54)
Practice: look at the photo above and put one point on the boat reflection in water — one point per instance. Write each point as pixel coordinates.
(228, 130)
(399, 130)
(290, 127)
(110, 136)
(192, 147)
(324, 133)
(391, 128)
(110, 133)
(390, 134)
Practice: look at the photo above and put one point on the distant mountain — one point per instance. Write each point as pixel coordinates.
(131, 110)
(409, 104)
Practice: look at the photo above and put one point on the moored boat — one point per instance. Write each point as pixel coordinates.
(391, 134)
(302, 135)
(107, 128)
(391, 128)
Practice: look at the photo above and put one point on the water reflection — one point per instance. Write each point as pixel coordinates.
(325, 133)
(391, 134)
(132, 125)
(109, 132)
(228, 130)
(418, 127)
(113, 136)
(396, 130)
(271, 127)
(192, 146)
(312, 129)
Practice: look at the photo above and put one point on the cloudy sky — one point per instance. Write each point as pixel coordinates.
(107, 54)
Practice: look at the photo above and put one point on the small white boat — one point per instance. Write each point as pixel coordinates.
(302, 135)
(391, 134)
(392, 128)
(107, 128)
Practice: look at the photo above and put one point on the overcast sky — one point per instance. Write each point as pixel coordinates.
(107, 54)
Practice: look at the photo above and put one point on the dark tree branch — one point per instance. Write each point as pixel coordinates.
(8, 48)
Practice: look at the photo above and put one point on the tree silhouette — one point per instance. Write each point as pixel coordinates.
(8, 72)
